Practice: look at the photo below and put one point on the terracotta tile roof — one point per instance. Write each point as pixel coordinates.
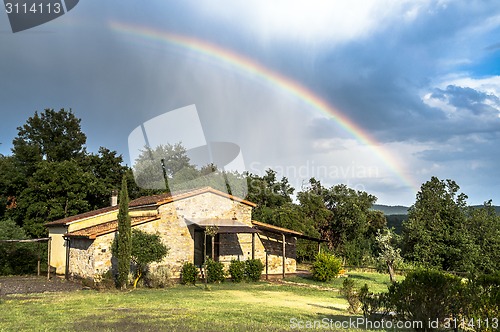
(280, 230)
(224, 226)
(148, 201)
(275, 228)
(111, 226)
(84, 215)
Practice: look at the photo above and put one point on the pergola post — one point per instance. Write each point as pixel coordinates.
(38, 260)
(284, 253)
(68, 248)
(204, 266)
(253, 245)
(267, 265)
(213, 247)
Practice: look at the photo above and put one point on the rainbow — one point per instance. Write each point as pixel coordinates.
(275, 79)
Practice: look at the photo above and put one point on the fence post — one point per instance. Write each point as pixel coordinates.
(48, 258)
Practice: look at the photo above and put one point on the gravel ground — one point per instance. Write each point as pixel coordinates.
(34, 284)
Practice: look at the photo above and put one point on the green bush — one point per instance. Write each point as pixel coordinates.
(435, 296)
(350, 293)
(374, 306)
(189, 273)
(427, 294)
(237, 270)
(326, 267)
(102, 281)
(253, 269)
(18, 258)
(215, 271)
(146, 248)
(158, 277)
(483, 298)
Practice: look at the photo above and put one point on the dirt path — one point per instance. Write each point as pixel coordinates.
(34, 284)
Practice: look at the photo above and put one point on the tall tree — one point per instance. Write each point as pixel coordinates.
(435, 233)
(124, 243)
(56, 190)
(12, 182)
(148, 170)
(107, 167)
(483, 224)
(348, 230)
(268, 193)
(51, 136)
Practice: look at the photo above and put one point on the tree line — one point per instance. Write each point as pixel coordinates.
(50, 175)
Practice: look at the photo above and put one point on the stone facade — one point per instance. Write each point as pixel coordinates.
(89, 257)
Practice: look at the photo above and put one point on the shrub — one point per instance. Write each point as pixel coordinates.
(253, 269)
(427, 294)
(237, 270)
(430, 296)
(484, 298)
(215, 271)
(350, 293)
(17, 258)
(146, 248)
(374, 306)
(326, 267)
(103, 281)
(189, 273)
(159, 277)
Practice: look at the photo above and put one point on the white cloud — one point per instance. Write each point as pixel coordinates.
(311, 20)
(459, 93)
(490, 85)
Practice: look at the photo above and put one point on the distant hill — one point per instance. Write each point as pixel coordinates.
(497, 208)
(396, 215)
(390, 210)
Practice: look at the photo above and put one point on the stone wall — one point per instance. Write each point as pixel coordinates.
(91, 257)
(179, 237)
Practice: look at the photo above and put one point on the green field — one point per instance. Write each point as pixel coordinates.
(225, 307)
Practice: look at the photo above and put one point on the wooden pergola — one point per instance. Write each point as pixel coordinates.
(284, 232)
(48, 239)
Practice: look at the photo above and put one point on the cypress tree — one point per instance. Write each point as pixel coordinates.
(124, 238)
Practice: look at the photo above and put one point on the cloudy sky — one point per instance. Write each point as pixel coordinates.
(379, 95)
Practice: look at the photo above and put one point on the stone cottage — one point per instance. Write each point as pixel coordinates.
(81, 244)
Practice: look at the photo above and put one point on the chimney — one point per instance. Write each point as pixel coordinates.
(114, 197)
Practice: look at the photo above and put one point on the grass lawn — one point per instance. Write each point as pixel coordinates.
(226, 307)
(377, 282)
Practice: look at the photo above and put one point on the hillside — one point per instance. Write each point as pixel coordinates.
(390, 210)
(395, 215)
